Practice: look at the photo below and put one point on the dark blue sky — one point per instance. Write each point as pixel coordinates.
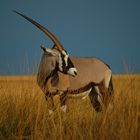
(107, 29)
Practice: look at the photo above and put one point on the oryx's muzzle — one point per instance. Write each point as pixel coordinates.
(72, 71)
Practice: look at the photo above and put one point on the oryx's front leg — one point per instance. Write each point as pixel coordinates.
(50, 103)
(63, 98)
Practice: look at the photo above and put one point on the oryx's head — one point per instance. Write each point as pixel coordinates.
(58, 55)
(59, 60)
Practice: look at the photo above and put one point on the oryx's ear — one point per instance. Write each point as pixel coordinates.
(43, 48)
(48, 51)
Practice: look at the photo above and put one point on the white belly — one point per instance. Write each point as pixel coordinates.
(82, 95)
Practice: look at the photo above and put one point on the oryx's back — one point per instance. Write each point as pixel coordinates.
(89, 69)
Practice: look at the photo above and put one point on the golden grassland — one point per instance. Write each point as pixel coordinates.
(24, 113)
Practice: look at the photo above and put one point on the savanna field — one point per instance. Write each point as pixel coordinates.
(24, 114)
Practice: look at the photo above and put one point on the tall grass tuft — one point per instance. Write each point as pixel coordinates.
(24, 113)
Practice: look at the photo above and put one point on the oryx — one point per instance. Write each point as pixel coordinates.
(64, 75)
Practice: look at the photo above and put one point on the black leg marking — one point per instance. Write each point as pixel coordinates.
(63, 98)
(94, 100)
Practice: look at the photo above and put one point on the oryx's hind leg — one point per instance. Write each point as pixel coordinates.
(106, 88)
(63, 105)
(107, 78)
(95, 98)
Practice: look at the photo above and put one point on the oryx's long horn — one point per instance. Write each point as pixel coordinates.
(46, 31)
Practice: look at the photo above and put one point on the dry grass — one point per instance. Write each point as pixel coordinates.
(24, 114)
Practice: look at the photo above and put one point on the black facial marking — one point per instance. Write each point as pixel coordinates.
(75, 72)
(69, 62)
(63, 60)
